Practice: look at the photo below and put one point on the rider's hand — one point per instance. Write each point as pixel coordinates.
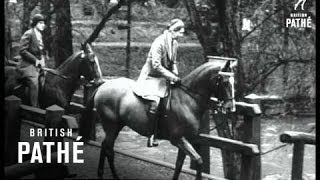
(42, 62)
(176, 81)
(38, 63)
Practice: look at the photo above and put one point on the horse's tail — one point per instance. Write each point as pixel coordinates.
(87, 118)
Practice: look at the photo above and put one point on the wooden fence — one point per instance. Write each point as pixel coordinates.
(248, 146)
(52, 117)
(299, 139)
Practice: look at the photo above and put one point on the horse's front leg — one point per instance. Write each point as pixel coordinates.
(179, 163)
(184, 145)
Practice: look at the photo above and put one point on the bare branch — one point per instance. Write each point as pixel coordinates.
(263, 21)
(100, 26)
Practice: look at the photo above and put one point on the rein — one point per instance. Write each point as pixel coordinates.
(192, 93)
(55, 72)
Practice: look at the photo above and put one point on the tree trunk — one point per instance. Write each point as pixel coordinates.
(207, 36)
(8, 40)
(47, 37)
(230, 31)
(62, 47)
(28, 6)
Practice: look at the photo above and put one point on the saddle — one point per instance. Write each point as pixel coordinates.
(164, 104)
(22, 80)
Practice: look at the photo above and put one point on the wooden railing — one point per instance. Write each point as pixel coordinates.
(299, 139)
(52, 117)
(248, 146)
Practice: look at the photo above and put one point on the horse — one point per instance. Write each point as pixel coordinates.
(118, 106)
(59, 84)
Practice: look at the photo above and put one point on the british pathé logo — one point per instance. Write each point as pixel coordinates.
(299, 18)
(301, 3)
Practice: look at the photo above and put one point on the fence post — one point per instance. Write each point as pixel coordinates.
(12, 129)
(87, 93)
(251, 128)
(53, 119)
(298, 139)
(297, 161)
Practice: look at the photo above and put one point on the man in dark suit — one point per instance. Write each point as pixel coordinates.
(32, 57)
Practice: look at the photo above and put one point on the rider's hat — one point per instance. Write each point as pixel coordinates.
(36, 18)
(175, 25)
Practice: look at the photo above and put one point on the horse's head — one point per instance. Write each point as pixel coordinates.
(224, 91)
(89, 67)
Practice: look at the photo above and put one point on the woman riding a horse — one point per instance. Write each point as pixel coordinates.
(159, 68)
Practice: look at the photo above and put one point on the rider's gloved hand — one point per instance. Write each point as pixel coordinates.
(176, 82)
(39, 63)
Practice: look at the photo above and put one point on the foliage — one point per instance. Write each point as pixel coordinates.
(280, 58)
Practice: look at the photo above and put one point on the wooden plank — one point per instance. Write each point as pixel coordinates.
(53, 119)
(297, 161)
(38, 116)
(248, 168)
(70, 121)
(75, 108)
(251, 166)
(12, 129)
(294, 136)
(228, 144)
(77, 98)
(33, 114)
(19, 170)
(248, 109)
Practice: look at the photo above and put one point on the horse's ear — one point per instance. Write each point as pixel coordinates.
(85, 46)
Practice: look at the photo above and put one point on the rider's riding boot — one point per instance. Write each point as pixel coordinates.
(153, 116)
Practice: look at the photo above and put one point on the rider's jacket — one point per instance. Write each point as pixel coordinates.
(30, 48)
(158, 66)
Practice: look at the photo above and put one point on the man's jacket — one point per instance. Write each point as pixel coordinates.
(29, 49)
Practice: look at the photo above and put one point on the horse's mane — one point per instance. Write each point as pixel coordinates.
(203, 69)
(69, 60)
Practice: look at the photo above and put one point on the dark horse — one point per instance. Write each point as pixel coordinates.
(60, 84)
(118, 106)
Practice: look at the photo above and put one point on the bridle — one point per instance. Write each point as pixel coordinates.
(57, 73)
(193, 93)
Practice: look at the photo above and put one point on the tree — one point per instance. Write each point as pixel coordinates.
(8, 40)
(272, 47)
(100, 26)
(28, 6)
(62, 45)
(47, 33)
